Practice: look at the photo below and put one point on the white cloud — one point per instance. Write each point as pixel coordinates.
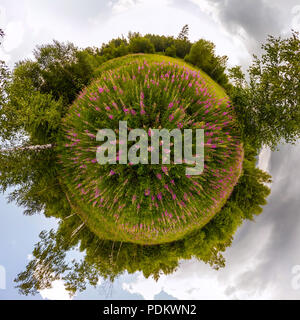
(112, 19)
(195, 280)
(57, 292)
(99, 282)
(29, 257)
(296, 18)
(14, 33)
(124, 5)
(208, 7)
(264, 161)
(2, 16)
(4, 56)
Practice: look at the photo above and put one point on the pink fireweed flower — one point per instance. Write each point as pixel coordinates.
(171, 117)
(165, 170)
(112, 172)
(100, 90)
(158, 176)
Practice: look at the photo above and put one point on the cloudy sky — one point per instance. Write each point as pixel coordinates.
(265, 253)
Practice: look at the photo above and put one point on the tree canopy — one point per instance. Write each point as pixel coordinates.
(268, 104)
(202, 55)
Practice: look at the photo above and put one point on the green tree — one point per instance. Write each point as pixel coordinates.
(40, 91)
(114, 48)
(4, 77)
(132, 35)
(171, 51)
(161, 43)
(141, 45)
(202, 55)
(184, 33)
(268, 105)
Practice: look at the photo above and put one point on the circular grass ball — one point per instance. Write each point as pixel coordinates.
(149, 203)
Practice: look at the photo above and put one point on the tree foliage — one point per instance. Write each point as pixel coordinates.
(141, 45)
(184, 33)
(268, 105)
(40, 91)
(171, 51)
(202, 55)
(161, 43)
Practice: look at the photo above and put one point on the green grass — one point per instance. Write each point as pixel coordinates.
(119, 62)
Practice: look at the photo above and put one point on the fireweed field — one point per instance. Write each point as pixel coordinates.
(149, 203)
